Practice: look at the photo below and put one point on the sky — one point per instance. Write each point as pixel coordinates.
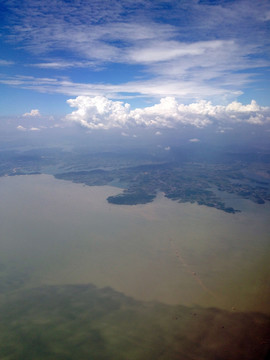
(105, 64)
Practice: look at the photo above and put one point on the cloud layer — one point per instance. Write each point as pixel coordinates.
(186, 49)
(102, 113)
(155, 88)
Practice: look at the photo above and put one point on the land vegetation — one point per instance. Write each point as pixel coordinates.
(179, 177)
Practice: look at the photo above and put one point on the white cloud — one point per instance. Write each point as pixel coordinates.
(176, 63)
(21, 128)
(194, 140)
(59, 65)
(101, 113)
(33, 113)
(163, 114)
(159, 87)
(160, 51)
(98, 112)
(238, 107)
(6, 62)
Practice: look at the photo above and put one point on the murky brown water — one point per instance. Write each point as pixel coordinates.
(57, 232)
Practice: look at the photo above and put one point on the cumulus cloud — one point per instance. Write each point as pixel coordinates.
(33, 113)
(21, 128)
(194, 140)
(98, 112)
(101, 113)
(238, 107)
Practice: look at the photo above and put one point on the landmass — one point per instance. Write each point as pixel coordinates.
(141, 178)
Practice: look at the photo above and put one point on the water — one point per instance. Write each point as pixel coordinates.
(55, 233)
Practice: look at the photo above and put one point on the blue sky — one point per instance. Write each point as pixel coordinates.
(117, 62)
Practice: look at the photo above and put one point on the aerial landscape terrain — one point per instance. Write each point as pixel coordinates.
(179, 178)
(134, 180)
(90, 310)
